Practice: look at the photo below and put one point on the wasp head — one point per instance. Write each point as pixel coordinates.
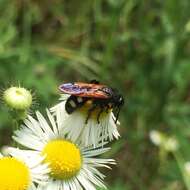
(118, 99)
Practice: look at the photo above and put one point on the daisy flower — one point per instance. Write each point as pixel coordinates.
(73, 166)
(91, 132)
(21, 170)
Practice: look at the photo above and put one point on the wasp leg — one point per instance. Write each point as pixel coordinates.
(99, 113)
(90, 111)
(117, 115)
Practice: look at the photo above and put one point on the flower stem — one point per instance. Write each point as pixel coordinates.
(180, 161)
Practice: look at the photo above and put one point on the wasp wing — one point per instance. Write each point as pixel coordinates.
(86, 90)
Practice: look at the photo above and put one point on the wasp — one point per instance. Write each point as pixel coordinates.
(100, 95)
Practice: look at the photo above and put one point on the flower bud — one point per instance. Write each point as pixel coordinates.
(156, 137)
(168, 144)
(17, 98)
(187, 168)
(171, 144)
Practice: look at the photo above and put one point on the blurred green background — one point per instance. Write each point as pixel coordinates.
(141, 47)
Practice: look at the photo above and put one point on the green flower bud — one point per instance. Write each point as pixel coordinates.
(171, 144)
(168, 144)
(17, 98)
(156, 137)
(187, 168)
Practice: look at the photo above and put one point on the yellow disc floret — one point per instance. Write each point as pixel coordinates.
(17, 98)
(14, 174)
(64, 159)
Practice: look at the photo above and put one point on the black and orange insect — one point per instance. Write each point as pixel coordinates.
(101, 96)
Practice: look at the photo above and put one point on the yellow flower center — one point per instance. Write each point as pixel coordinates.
(63, 157)
(14, 174)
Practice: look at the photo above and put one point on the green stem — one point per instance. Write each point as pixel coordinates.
(180, 161)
